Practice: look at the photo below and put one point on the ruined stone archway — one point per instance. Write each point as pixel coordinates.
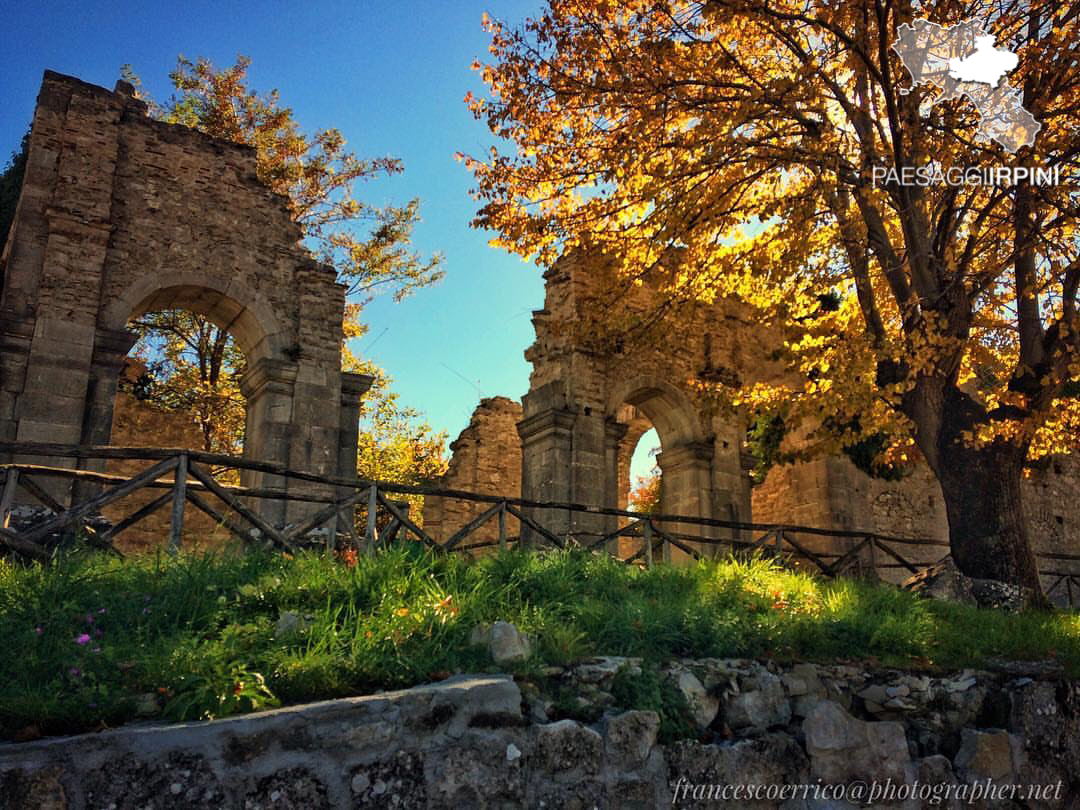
(575, 434)
(685, 459)
(120, 214)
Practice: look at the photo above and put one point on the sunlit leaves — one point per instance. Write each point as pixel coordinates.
(736, 138)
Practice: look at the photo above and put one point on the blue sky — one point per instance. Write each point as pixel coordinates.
(391, 76)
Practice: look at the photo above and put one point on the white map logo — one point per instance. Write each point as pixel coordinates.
(962, 60)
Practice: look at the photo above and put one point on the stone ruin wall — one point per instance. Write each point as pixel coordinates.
(486, 459)
(120, 214)
(572, 366)
(594, 392)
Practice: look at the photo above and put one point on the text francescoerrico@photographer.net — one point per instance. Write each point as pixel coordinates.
(869, 792)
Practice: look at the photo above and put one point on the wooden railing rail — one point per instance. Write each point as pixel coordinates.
(185, 477)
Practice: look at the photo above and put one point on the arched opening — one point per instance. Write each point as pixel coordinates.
(181, 384)
(659, 459)
(638, 472)
(193, 345)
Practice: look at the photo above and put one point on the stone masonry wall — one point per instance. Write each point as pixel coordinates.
(486, 459)
(120, 214)
(486, 742)
(834, 493)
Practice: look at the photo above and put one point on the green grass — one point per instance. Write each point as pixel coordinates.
(201, 631)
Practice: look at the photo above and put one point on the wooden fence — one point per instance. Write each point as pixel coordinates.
(369, 514)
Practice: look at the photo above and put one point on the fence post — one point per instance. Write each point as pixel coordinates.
(176, 528)
(371, 536)
(11, 483)
(502, 526)
(872, 547)
(646, 533)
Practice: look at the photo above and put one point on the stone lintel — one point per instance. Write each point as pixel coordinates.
(538, 426)
(269, 374)
(354, 386)
(691, 453)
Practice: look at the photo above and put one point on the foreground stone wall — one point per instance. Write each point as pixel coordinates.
(486, 459)
(478, 742)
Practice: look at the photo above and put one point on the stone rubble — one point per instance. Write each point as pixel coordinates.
(491, 741)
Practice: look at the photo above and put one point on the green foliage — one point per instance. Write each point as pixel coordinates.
(648, 690)
(866, 451)
(763, 440)
(85, 638)
(11, 186)
(225, 688)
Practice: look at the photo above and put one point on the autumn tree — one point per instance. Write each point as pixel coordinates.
(740, 137)
(644, 495)
(194, 366)
(191, 366)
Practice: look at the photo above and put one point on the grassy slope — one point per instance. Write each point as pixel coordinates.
(84, 638)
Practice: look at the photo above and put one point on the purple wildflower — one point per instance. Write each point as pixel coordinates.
(39, 630)
(75, 672)
(82, 638)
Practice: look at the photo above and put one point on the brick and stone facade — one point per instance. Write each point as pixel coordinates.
(120, 215)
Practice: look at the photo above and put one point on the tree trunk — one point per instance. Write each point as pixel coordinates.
(988, 531)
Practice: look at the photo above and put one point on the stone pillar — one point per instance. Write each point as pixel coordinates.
(686, 489)
(614, 447)
(107, 361)
(546, 458)
(268, 387)
(353, 388)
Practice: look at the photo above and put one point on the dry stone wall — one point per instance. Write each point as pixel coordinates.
(487, 741)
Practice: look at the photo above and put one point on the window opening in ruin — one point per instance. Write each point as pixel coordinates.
(181, 385)
(643, 476)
